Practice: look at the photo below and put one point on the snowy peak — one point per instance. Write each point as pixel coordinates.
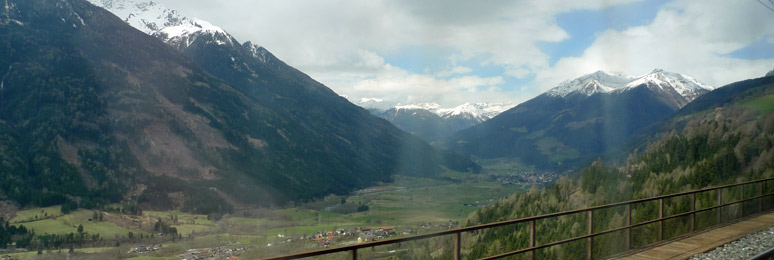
(257, 51)
(146, 16)
(185, 34)
(373, 103)
(424, 106)
(688, 87)
(597, 82)
(603, 82)
(478, 111)
(167, 24)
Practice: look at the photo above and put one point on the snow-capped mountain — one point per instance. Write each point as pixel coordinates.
(478, 111)
(597, 82)
(166, 24)
(579, 119)
(146, 16)
(429, 120)
(603, 82)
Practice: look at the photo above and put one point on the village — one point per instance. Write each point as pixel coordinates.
(357, 235)
(527, 177)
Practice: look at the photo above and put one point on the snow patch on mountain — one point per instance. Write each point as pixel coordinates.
(185, 34)
(432, 107)
(167, 24)
(146, 16)
(478, 111)
(597, 82)
(686, 86)
(603, 82)
(257, 51)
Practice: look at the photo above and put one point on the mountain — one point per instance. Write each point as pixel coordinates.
(94, 111)
(578, 120)
(725, 136)
(429, 120)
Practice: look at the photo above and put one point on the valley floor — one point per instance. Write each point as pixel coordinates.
(406, 206)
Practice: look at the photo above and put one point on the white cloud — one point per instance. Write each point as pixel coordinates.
(397, 85)
(454, 71)
(343, 43)
(690, 37)
(339, 42)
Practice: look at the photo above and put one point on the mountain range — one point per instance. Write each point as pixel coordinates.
(579, 119)
(95, 111)
(431, 121)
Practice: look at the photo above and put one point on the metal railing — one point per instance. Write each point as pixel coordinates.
(590, 234)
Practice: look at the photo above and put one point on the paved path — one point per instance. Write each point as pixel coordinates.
(702, 242)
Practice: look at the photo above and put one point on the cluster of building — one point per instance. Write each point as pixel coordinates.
(327, 238)
(144, 249)
(528, 177)
(361, 234)
(369, 234)
(217, 253)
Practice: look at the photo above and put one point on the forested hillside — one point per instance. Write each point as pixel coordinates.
(94, 112)
(724, 141)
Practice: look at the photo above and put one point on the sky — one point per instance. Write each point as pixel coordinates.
(456, 51)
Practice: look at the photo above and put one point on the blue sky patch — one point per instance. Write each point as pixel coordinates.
(584, 26)
(761, 49)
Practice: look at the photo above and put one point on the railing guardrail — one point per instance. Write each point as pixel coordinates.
(532, 247)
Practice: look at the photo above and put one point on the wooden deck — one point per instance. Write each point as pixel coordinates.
(705, 241)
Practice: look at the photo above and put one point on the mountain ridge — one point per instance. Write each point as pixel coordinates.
(577, 120)
(431, 121)
(603, 82)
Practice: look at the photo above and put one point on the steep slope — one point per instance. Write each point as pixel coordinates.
(94, 111)
(579, 119)
(723, 137)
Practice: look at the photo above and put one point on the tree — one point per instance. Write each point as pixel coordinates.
(80, 228)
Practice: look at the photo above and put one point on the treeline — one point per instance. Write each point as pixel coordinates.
(13, 234)
(713, 148)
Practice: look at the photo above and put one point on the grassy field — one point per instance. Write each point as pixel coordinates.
(763, 104)
(69, 224)
(405, 203)
(37, 213)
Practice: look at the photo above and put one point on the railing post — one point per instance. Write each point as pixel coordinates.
(741, 199)
(628, 219)
(353, 254)
(457, 243)
(720, 202)
(660, 219)
(532, 253)
(760, 198)
(590, 243)
(693, 212)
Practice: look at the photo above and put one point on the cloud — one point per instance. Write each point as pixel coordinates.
(398, 85)
(342, 42)
(690, 37)
(454, 71)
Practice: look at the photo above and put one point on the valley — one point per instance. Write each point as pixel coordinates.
(409, 205)
(131, 131)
